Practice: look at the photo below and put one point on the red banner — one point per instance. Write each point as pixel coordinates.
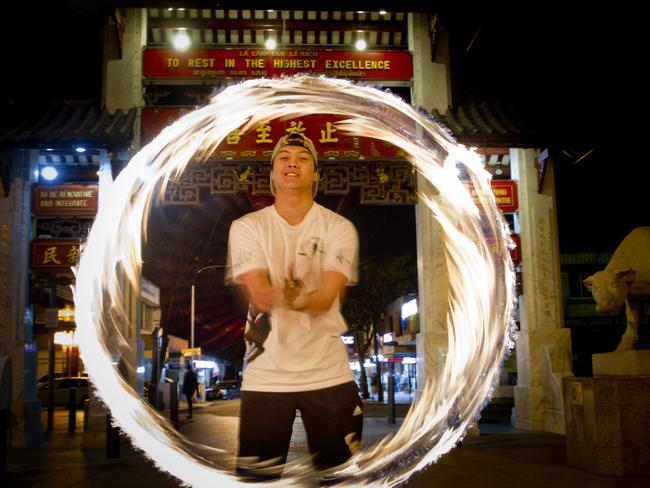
(505, 194)
(259, 63)
(259, 142)
(54, 255)
(65, 200)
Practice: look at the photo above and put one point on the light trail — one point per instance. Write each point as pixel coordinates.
(476, 242)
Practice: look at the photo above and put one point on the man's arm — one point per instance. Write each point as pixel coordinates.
(321, 299)
(262, 294)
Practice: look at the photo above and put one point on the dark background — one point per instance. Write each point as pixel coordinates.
(574, 69)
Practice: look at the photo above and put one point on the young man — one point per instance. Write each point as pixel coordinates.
(294, 258)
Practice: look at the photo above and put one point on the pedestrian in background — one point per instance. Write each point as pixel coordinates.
(190, 386)
(374, 386)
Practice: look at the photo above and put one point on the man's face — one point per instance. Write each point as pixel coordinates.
(293, 168)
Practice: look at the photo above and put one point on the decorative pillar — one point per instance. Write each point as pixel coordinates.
(432, 341)
(16, 316)
(122, 91)
(94, 435)
(543, 344)
(430, 90)
(123, 77)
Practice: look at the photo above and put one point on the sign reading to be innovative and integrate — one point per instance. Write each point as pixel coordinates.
(59, 255)
(65, 200)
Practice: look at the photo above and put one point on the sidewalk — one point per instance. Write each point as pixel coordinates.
(500, 457)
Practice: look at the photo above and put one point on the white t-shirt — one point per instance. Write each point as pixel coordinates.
(303, 351)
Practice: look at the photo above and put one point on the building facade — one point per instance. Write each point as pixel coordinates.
(151, 82)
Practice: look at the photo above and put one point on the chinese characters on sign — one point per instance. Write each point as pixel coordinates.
(258, 143)
(54, 255)
(253, 63)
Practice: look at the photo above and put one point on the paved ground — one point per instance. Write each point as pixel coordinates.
(499, 457)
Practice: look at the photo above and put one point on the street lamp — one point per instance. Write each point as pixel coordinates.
(196, 274)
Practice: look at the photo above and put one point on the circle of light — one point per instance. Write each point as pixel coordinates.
(474, 236)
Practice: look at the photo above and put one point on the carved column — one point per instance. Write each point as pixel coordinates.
(432, 341)
(430, 90)
(16, 316)
(123, 77)
(543, 345)
(94, 435)
(122, 90)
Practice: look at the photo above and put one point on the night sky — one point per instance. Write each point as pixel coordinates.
(576, 69)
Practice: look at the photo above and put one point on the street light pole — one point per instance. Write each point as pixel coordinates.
(192, 318)
(193, 298)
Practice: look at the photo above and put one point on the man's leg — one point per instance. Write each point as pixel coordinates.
(265, 427)
(333, 419)
(189, 406)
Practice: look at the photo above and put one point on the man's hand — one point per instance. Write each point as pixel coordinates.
(263, 298)
(320, 300)
(292, 289)
(261, 292)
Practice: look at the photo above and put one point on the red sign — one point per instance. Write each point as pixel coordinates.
(65, 200)
(515, 253)
(54, 255)
(258, 142)
(259, 63)
(505, 194)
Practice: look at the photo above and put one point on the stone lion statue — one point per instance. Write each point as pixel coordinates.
(625, 280)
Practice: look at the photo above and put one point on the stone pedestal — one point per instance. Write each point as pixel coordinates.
(625, 363)
(529, 408)
(543, 359)
(608, 425)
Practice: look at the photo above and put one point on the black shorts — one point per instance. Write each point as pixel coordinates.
(333, 420)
